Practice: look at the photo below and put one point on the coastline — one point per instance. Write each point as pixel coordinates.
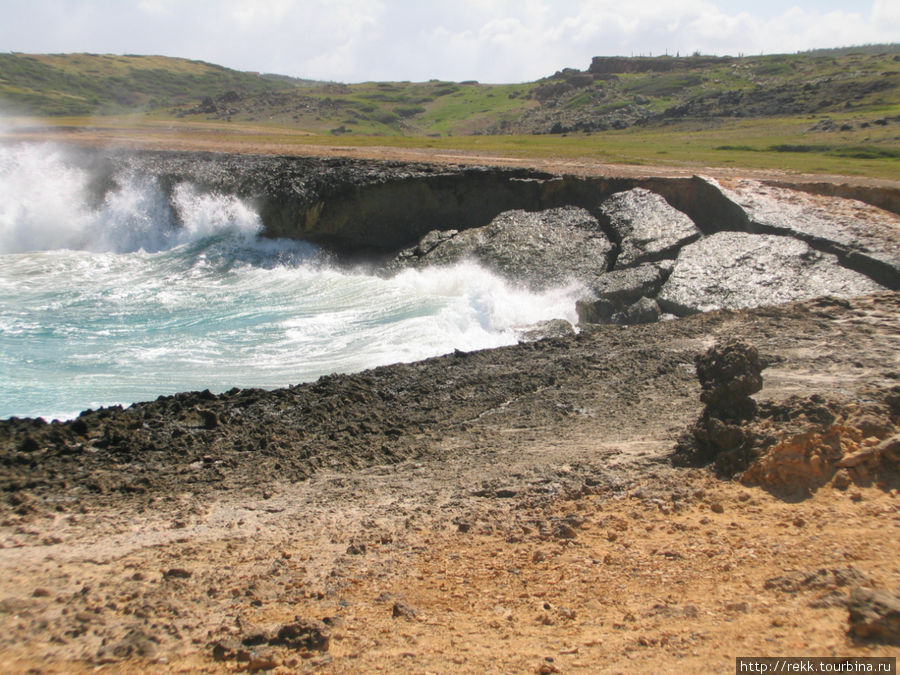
(511, 509)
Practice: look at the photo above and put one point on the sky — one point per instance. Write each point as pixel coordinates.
(417, 40)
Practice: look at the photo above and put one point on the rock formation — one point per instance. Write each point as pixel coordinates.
(540, 249)
(646, 226)
(734, 270)
(725, 245)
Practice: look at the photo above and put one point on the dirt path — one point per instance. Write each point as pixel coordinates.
(546, 532)
(205, 140)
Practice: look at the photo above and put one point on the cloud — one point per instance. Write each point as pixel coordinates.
(488, 40)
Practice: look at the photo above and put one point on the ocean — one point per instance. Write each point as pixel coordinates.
(143, 293)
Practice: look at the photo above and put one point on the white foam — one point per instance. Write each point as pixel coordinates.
(45, 205)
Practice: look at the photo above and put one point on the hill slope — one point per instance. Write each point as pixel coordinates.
(85, 84)
(613, 93)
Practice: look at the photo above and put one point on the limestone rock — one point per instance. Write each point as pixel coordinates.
(867, 236)
(540, 249)
(614, 292)
(647, 226)
(736, 270)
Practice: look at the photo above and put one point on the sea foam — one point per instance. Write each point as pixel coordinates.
(142, 293)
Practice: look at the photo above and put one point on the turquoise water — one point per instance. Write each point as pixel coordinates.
(144, 295)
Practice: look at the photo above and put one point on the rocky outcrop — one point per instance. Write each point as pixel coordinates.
(865, 238)
(543, 249)
(655, 64)
(646, 226)
(735, 270)
(716, 232)
(625, 296)
(729, 375)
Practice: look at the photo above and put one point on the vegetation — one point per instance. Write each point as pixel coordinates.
(826, 110)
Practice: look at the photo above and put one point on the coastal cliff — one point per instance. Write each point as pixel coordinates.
(372, 211)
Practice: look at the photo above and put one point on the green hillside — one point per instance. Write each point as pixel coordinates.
(88, 84)
(827, 110)
(614, 93)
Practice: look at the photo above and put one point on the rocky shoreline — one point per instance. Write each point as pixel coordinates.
(620, 238)
(522, 508)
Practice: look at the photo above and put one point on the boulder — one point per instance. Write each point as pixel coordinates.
(645, 310)
(613, 292)
(647, 227)
(737, 270)
(539, 249)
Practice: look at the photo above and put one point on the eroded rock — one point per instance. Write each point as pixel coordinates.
(729, 374)
(648, 228)
(866, 236)
(540, 249)
(736, 270)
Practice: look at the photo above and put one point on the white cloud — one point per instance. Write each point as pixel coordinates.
(488, 40)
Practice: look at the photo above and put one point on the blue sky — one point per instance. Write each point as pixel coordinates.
(486, 40)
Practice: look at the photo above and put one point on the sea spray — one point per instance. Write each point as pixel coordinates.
(141, 293)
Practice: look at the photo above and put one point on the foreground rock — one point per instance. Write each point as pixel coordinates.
(735, 270)
(875, 615)
(729, 375)
(790, 447)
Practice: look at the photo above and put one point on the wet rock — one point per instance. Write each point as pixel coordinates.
(647, 227)
(554, 328)
(540, 249)
(874, 615)
(615, 293)
(735, 270)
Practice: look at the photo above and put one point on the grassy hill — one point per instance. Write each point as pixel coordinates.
(839, 104)
(91, 84)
